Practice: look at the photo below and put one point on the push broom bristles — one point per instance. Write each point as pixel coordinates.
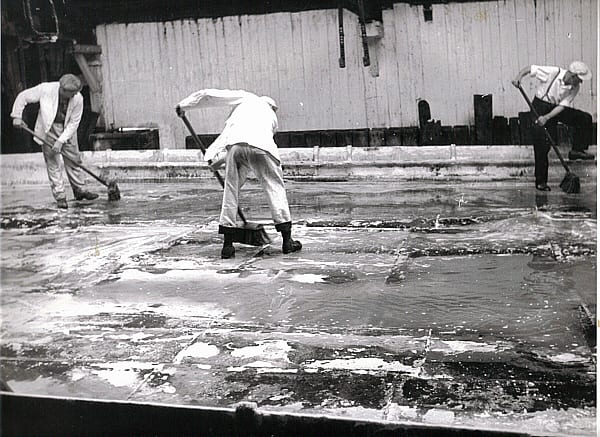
(570, 184)
(113, 191)
(252, 234)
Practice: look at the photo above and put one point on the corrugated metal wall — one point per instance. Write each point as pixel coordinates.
(468, 48)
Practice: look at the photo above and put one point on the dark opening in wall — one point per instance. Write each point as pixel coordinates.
(42, 19)
(427, 12)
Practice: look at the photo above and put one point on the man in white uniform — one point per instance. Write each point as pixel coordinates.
(557, 88)
(61, 107)
(246, 143)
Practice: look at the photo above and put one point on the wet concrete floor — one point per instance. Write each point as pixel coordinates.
(464, 304)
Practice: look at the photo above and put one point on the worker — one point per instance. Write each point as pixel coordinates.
(246, 144)
(61, 107)
(556, 90)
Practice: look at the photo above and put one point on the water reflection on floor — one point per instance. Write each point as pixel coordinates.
(430, 274)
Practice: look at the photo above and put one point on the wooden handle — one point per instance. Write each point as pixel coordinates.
(181, 114)
(552, 142)
(78, 164)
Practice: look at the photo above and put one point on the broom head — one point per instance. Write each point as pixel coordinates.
(113, 191)
(570, 184)
(252, 234)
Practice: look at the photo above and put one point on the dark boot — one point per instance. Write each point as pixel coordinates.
(228, 250)
(288, 245)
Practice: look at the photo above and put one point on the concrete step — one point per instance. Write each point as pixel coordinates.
(317, 163)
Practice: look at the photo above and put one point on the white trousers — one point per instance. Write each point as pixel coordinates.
(241, 158)
(53, 167)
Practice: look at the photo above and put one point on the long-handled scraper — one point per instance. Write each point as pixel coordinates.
(113, 188)
(570, 184)
(252, 233)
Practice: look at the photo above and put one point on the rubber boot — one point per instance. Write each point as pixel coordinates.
(289, 245)
(228, 250)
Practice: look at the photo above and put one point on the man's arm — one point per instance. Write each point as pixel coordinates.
(211, 97)
(524, 72)
(542, 120)
(30, 95)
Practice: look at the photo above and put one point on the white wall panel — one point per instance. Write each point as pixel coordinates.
(468, 48)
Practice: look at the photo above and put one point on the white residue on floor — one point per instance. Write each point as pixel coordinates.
(358, 364)
(77, 375)
(307, 278)
(401, 412)
(119, 378)
(167, 388)
(122, 374)
(275, 370)
(197, 350)
(438, 416)
(267, 350)
(458, 346)
(137, 337)
(566, 358)
(237, 369)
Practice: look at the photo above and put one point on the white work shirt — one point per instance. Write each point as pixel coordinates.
(252, 121)
(46, 94)
(552, 87)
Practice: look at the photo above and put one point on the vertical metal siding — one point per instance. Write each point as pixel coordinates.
(468, 48)
(477, 48)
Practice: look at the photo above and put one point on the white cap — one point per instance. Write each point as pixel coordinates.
(581, 70)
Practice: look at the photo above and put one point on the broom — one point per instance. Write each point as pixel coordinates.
(113, 188)
(252, 234)
(570, 184)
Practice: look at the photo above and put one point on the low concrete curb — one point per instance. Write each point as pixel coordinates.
(50, 415)
(317, 163)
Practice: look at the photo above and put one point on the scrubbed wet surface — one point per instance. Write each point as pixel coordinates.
(460, 304)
